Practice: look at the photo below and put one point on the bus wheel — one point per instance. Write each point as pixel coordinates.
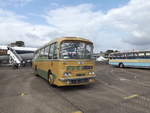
(50, 79)
(121, 65)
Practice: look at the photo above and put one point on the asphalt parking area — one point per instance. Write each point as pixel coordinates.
(117, 90)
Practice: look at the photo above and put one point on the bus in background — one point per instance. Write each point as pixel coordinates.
(139, 59)
(65, 61)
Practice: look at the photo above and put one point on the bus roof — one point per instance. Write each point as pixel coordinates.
(71, 38)
(65, 39)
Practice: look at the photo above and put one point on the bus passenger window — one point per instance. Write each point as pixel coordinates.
(141, 55)
(42, 52)
(51, 51)
(55, 51)
(147, 55)
(36, 55)
(46, 51)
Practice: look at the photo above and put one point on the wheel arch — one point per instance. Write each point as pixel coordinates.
(121, 63)
(49, 72)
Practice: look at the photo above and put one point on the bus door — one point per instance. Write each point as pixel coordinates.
(53, 57)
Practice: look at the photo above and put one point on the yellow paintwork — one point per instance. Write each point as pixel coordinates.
(59, 66)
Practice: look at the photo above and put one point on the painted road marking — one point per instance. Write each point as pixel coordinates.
(77, 112)
(22, 94)
(131, 97)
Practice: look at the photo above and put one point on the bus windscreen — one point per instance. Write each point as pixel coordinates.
(76, 50)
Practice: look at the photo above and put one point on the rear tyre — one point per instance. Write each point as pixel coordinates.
(50, 79)
(121, 65)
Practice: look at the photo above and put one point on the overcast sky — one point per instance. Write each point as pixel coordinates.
(110, 24)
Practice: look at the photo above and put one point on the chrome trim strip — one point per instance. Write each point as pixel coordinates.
(65, 79)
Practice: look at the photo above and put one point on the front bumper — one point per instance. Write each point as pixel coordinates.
(77, 81)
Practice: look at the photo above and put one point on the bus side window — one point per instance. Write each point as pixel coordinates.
(141, 55)
(55, 51)
(42, 52)
(51, 51)
(39, 53)
(46, 51)
(36, 55)
(147, 54)
(136, 55)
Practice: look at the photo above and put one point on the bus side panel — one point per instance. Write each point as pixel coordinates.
(131, 62)
(113, 63)
(137, 64)
(52, 66)
(42, 72)
(57, 69)
(42, 68)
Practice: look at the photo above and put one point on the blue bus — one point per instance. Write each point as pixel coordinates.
(130, 59)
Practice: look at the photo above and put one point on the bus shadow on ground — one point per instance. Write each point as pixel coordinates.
(68, 88)
(74, 88)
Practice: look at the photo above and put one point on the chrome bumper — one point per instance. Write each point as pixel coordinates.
(77, 80)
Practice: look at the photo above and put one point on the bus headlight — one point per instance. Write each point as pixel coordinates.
(92, 73)
(67, 74)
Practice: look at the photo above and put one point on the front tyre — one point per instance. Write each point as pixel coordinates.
(50, 79)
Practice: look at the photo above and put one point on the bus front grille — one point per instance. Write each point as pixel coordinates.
(71, 68)
(79, 81)
(79, 74)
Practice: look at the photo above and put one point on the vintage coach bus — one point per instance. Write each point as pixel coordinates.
(66, 61)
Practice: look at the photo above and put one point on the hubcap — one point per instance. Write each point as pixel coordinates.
(121, 65)
(50, 79)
